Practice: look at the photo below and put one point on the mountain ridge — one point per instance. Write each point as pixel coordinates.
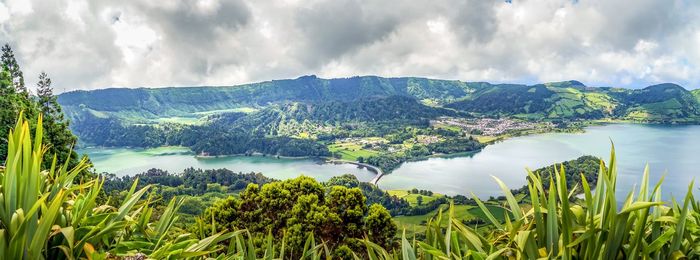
(568, 100)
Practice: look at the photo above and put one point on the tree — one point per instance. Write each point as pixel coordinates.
(56, 127)
(419, 200)
(44, 90)
(10, 106)
(380, 227)
(15, 99)
(345, 180)
(8, 60)
(301, 206)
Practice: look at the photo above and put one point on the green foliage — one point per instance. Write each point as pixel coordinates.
(45, 215)
(506, 99)
(380, 228)
(337, 108)
(556, 225)
(660, 103)
(293, 209)
(167, 102)
(14, 99)
(10, 64)
(586, 166)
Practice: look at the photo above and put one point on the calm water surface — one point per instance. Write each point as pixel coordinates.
(671, 149)
(123, 161)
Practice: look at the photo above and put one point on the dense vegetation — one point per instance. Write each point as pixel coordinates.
(294, 208)
(46, 215)
(559, 100)
(190, 182)
(195, 183)
(390, 161)
(551, 223)
(586, 166)
(293, 129)
(284, 219)
(308, 115)
(167, 102)
(49, 209)
(15, 98)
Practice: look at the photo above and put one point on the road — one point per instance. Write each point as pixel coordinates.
(373, 168)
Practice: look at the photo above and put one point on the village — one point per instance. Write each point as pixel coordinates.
(489, 126)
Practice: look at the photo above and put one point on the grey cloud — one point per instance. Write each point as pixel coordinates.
(628, 22)
(73, 54)
(627, 42)
(474, 20)
(334, 28)
(191, 35)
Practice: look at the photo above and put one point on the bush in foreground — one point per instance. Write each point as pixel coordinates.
(552, 223)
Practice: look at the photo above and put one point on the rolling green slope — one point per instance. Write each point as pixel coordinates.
(370, 98)
(559, 100)
(143, 103)
(661, 103)
(292, 118)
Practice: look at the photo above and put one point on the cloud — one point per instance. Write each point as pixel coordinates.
(335, 28)
(86, 44)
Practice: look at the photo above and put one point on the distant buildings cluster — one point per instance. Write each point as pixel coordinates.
(489, 126)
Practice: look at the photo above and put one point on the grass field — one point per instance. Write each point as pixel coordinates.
(350, 151)
(448, 127)
(180, 120)
(413, 198)
(462, 212)
(238, 109)
(486, 139)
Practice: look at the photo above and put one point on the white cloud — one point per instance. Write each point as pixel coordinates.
(20, 7)
(101, 43)
(4, 13)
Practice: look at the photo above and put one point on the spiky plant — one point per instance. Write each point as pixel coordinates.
(44, 214)
(553, 223)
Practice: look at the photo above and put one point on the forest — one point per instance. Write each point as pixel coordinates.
(53, 205)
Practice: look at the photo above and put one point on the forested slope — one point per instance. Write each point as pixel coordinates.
(558, 100)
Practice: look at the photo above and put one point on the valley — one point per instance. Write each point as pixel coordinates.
(448, 143)
(459, 174)
(383, 122)
(465, 130)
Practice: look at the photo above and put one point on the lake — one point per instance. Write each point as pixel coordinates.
(672, 149)
(124, 161)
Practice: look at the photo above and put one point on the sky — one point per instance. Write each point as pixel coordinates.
(89, 44)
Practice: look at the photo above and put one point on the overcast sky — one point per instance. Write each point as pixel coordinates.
(87, 44)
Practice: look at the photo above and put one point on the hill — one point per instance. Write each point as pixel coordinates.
(327, 109)
(663, 102)
(152, 103)
(551, 101)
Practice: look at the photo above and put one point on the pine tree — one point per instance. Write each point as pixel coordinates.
(45, 92)
(55, 125)
(7, 108)
(9, 61)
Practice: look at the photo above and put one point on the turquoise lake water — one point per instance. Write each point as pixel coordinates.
(670, 150)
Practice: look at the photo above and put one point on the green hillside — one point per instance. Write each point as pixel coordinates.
(663, 102)
(558, 100)
(144, 103)
(327, 109)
